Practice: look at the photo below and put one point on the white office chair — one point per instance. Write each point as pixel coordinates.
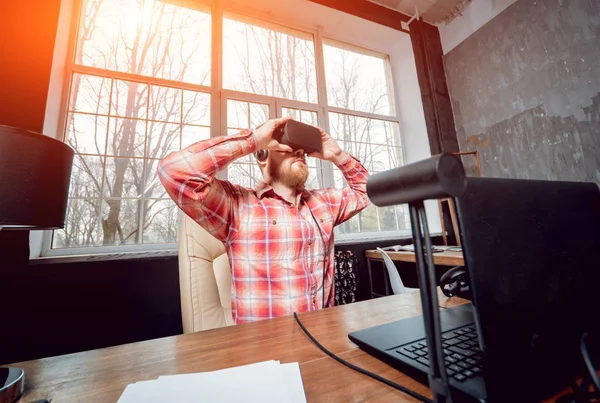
(395, 280)
(204, 279)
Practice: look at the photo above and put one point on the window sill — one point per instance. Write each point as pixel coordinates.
(102, 257)
(371, 239)
(158, 254)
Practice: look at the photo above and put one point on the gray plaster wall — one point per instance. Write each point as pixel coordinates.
(525, 91)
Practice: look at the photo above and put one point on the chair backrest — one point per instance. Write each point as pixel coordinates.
(204, 279)
(395, 280)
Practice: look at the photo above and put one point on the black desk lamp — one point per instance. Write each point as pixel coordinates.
(437, 177)
(35, 171)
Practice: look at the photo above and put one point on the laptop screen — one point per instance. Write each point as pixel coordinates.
(531, 248)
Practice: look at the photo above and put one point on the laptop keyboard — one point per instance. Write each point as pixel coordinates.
(461, 353)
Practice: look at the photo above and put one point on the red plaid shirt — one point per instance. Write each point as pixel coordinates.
(275, 252)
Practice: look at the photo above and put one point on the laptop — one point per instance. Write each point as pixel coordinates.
(531, 251)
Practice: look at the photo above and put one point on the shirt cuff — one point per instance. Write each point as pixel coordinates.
(348, 164)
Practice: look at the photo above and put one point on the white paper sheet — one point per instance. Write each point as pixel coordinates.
(262, 382)
(293, 379)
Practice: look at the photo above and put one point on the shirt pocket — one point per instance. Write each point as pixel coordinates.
(326, 223)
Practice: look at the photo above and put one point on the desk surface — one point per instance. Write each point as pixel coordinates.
(102, 375)
(444, 258)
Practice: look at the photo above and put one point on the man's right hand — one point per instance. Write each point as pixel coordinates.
(264, 136)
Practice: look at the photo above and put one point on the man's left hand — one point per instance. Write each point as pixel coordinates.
(330, 151)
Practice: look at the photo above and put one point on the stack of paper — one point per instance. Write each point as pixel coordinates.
(262, 382)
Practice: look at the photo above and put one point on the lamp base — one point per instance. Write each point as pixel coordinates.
(12, 384)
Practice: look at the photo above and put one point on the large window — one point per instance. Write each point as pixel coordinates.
(141, 84)
(362, 118)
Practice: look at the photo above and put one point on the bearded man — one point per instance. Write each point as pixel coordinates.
(278, 236)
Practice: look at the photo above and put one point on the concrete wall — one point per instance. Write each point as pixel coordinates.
(473, 17)
(525, 91)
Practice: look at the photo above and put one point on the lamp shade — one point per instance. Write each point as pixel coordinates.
(35, 172)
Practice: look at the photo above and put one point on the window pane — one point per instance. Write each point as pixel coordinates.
(237, 114)
(259, 114)
(313, 181)
(86, 176)
(369, 221)
(120, 219)
(150, 38)
(265, 61)
(387, 218)
(126, 137)
(351, 226)
(153, 188)
(304, 116)
(364, 153)
(382, 132)
(374, 142)
(81, 225)
(163, 138)
(90, 94)
(356, 80)
(193, 134)
(338, 179)
(129, 99)
(403, 217)
(87, 133)
(123, 177)
(243, 115)
(165, 104)
(196, 108)
(161, 221)
(309, 117)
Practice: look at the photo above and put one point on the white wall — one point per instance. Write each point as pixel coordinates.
(474, 16)
(410, 106)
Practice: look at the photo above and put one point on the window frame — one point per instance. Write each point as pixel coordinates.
(219, 97)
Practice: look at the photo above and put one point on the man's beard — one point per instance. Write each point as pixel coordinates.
(294, 176)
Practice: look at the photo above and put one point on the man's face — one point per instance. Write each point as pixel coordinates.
(288, 168)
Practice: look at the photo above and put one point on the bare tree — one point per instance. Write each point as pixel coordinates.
(114, 192)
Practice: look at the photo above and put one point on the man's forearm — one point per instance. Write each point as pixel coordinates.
(188, 178)
(202, 160)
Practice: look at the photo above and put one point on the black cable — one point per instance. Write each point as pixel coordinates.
(588, 362)
(362, 371)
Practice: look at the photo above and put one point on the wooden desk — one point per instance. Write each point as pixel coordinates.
(444, 258)
(102, 375)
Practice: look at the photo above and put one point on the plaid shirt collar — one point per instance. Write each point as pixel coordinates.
(264, 189)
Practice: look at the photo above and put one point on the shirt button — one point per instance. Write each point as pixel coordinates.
(321, 220)
(310, 242)
(274, 222)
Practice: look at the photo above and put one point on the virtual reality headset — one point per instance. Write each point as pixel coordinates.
(299, 135)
